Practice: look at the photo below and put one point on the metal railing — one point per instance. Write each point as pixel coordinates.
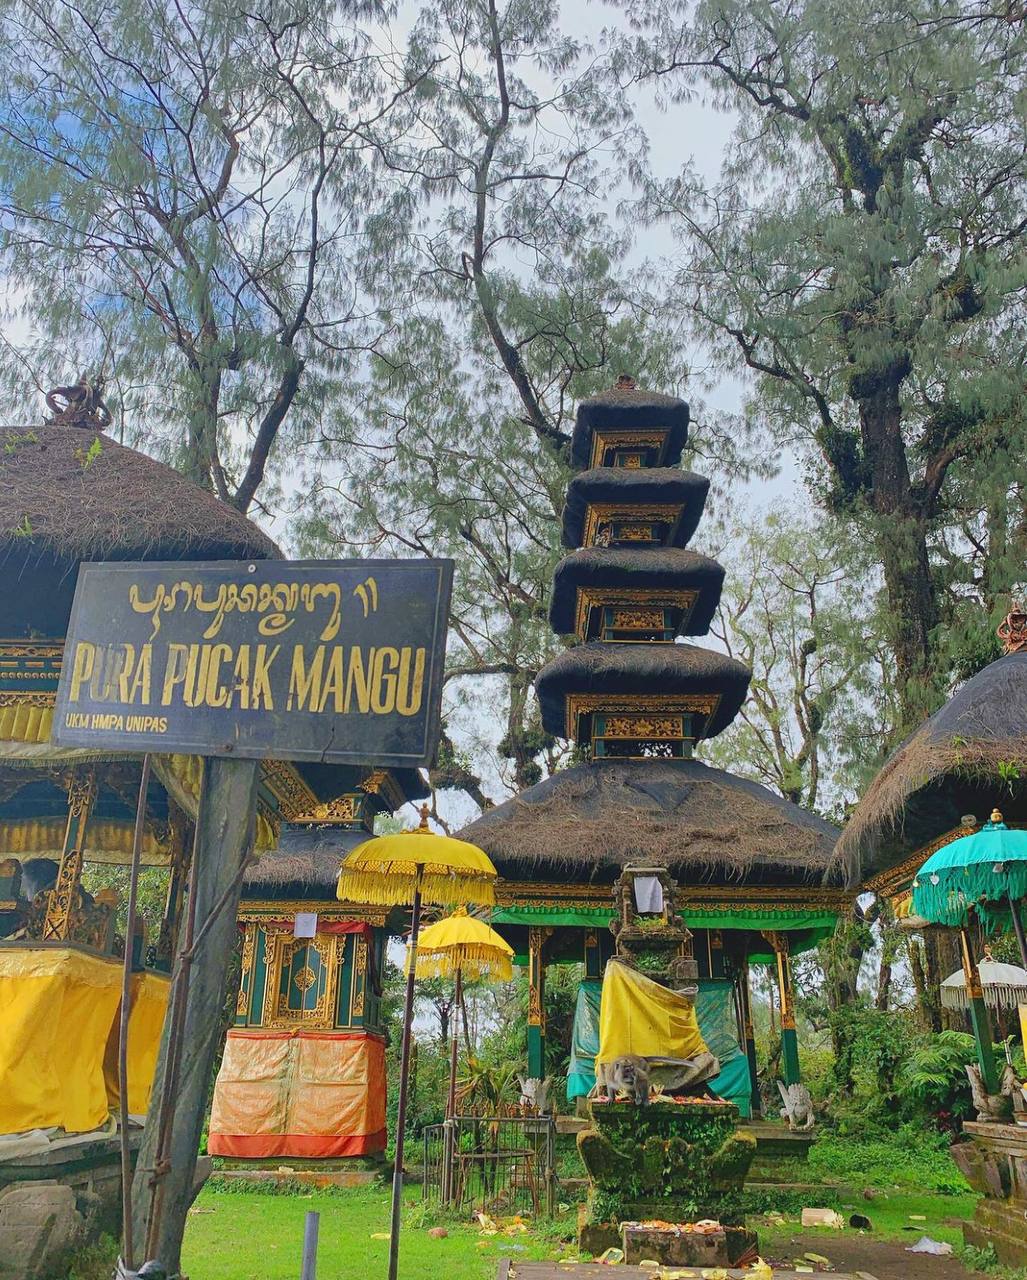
(492, 1164)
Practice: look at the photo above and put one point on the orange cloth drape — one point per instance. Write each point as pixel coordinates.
(299, 1093)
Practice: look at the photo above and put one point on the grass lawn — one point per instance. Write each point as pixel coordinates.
(259, 1237)
(254, 1236)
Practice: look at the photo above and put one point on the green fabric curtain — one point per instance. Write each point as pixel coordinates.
(808, 927)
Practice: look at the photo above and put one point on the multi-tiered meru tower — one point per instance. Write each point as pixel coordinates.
(629, 690)
(745, 867)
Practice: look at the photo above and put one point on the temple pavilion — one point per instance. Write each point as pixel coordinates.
(940, 785)
(70, 493)
(303, 1074)
(750, 868)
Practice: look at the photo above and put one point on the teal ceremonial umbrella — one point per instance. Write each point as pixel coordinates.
(977, 875)
(984, 873)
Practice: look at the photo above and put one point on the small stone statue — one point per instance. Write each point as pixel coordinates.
(993, 1108)
(535, 1095)
(798, 1107)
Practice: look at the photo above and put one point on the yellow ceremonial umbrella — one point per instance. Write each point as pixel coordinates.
(458, 945)
(413, 866)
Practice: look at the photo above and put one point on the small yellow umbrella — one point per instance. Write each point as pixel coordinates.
(413, 866)
(458, 945)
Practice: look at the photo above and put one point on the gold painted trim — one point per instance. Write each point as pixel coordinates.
(289, 789)
(282, 947)
(260, 910)
(17, 698)
(516, 893)
(603, 597)
(599, 513)
(381, 782)
(622, 437)
(899, 878)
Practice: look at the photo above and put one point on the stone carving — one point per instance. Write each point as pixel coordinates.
(993, 1107)
(798, 1107)
(535, 1095)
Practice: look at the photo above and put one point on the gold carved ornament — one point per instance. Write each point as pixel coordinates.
(629, 597)
(358, 1002)
(64, 898)
(537, 936)
(655, 727)
(281, 949)
(380, 782)
(601, 514)
(604, 441)
(249, 944)
(292, 793)
(584, 704)
(1012, 630)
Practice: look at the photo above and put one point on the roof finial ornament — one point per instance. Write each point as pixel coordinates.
(625, 382)
(1012, 630)
(80, 405)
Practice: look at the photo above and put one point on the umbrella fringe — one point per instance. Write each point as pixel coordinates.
(995, 997)
(379, 888)
(473, 959)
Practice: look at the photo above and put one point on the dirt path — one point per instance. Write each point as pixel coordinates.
(883, 1259)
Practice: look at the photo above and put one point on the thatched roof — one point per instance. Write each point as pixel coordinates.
(643, 568)
(69, 494)
(628, 409)
(304, 865)
(703, 824)
(970, 755)
(619, 485)
(653, 669)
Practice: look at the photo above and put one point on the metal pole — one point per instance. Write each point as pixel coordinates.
(126, 1011)
(404, 1077)
(310, 1226)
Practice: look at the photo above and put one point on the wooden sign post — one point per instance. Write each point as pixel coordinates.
(328, 661)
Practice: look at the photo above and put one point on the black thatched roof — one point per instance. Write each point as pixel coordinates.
(969, 756)
(628, 409)
(704, 825)
(664, 485)
(654, 669)
(647, 569)
(304, 865)
(69, 494)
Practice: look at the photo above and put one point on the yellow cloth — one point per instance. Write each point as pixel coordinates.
(57, 1005)
(637, 1015)
(107, 840)
(22, 722)
(145, 1024)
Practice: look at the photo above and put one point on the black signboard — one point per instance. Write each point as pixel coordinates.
(336, 660)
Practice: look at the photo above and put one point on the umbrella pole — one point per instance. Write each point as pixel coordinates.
(979, 1016)
(1021, 941)
(449, 1138)
(404, 1079)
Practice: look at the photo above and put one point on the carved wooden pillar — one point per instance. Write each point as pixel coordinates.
(62, 898)
(789, 1040)
(537, 936)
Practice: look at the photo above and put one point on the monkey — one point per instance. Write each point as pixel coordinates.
(627, 1074)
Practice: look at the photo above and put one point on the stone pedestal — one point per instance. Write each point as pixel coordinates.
(669, 1162)
(994, 1162)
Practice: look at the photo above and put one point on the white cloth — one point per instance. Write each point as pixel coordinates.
(305, 925)
(648, 895)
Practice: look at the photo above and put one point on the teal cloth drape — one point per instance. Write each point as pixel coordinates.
(714, 1007)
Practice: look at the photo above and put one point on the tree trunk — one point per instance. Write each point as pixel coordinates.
(901, 538)
(225, 839)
